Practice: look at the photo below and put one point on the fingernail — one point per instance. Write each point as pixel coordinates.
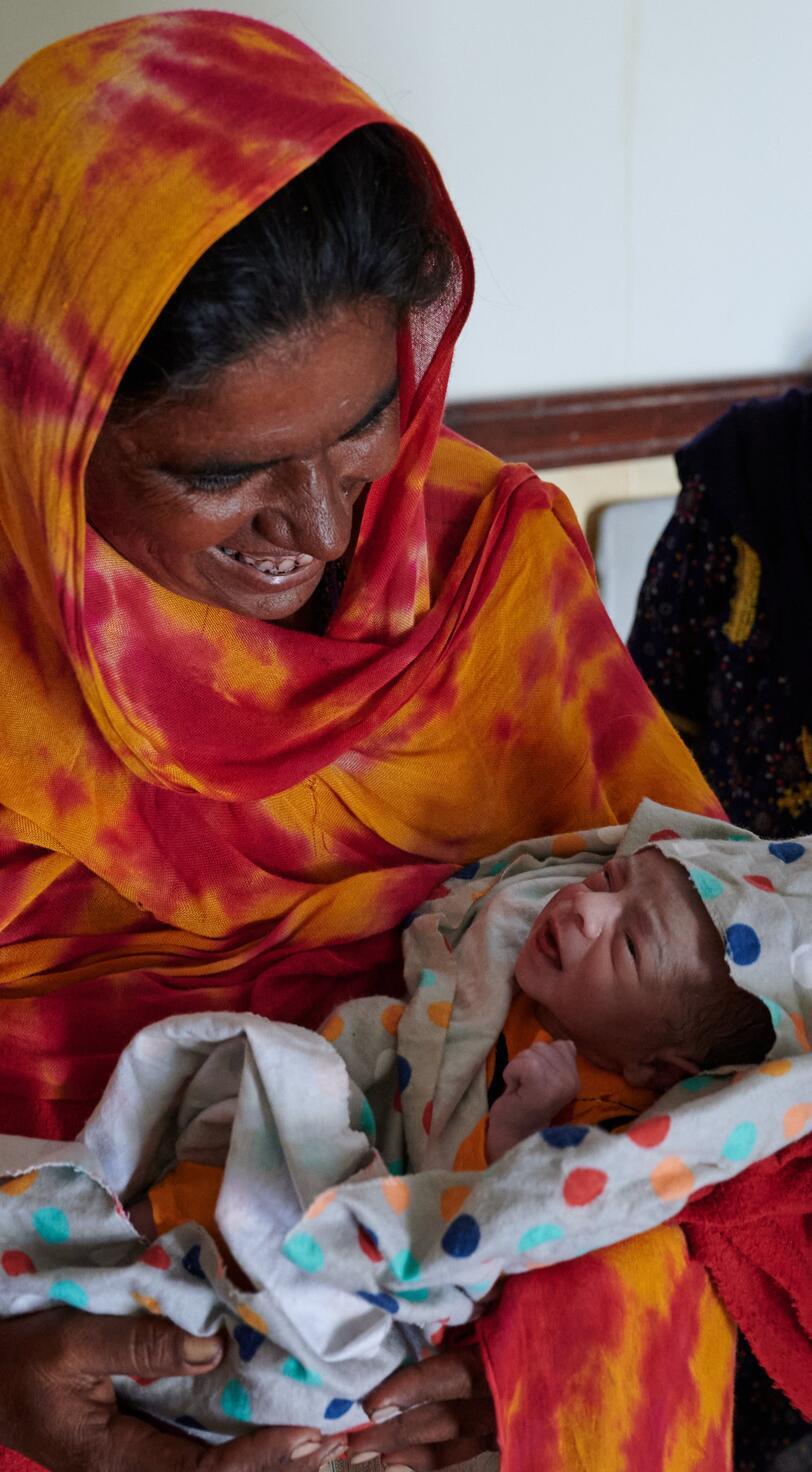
(386, 1413)
(201, 1351)
(305, 1449)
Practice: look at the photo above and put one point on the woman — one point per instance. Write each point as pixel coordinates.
(280, 653)
(721, 631)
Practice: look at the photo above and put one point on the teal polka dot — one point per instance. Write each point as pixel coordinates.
(476, 1290)
(776, 1012)
(235, 1401)
(51, 1224)
(740, 837)
(696, 1082)
(740, 1141)
(295, 1370)
(428, 978)
(405, 1266)
(305, 1252)
(413, 1295)
(367, 1121)
(538, 1236)
(396, 1167)
(707, 886)
(66, 1291)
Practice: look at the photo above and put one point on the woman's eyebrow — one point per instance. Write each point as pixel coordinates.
(249, 467)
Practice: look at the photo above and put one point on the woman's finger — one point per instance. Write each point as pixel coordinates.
(452, 1376)
(132, 1446)
(430, 1425)
(425, 1458)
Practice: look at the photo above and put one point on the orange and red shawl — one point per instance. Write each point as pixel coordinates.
(199, 810)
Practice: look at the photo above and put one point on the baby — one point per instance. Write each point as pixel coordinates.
(624, 968)
(627, 968)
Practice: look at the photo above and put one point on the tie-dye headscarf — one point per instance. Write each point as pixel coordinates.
(201, 810)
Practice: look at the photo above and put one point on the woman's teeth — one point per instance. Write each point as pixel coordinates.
(272, 567)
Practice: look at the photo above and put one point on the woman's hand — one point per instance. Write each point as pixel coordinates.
(434, 1414)
(58, 1407)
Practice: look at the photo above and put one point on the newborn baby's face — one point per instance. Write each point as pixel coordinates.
(605, 958)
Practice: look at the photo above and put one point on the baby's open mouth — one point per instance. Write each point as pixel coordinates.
(547, 943)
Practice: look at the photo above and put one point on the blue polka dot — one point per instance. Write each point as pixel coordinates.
(707, 886)
(51, 1224)
(742, 945)
(405, 1266)
(427, 978)
(248, 1341)
(414, 1295)
(235, 1401)
(367, 1121)
(539, 1236)
(381, 1300)
(337, 1408)
(305, 1252)
(562, 1136)
(462, 1237)
(191, 1262)
(468, 871)
(404, 1069)
(787, 852)
(66, 1291)
(739, 1143)
(295, 1370)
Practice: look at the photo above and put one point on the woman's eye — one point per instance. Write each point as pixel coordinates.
(215, 482)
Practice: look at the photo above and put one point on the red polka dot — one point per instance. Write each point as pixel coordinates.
(427, 1114)
(157, 1257)
(650, 1132)
(760, 881)
(441, 891)
(369, 1246)
(584, 1185)
(662, 834)
(141, 1379)
(15, 1263)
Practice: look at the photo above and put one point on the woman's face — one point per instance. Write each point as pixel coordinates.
(239, 492)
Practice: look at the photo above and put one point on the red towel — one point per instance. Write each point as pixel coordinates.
(754, 1236)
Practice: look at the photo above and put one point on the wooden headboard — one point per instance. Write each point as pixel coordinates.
(610, 424)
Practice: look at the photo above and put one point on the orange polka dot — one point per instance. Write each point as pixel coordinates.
(332, 1028)
(439, 1013)
(151, 1305)
(672, 1179)
(18, 1185)
(796, 1119)
(253, 1319)
(776, 1067)
(453, 1200)
(800, 1030)
(390, 1017)
(320, 1204)
(396, 1192)
(567, 844)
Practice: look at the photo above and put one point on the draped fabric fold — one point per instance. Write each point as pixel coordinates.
(200, 810)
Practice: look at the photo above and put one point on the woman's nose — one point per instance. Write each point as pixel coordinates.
(317, 510)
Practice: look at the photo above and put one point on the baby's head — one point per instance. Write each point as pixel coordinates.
(629, 965)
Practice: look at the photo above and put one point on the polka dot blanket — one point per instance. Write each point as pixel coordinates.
(338, 1202)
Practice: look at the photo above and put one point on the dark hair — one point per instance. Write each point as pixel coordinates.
(360, 223)
(725, 1025)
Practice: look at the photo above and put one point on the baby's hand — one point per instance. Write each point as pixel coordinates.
(539, 1082)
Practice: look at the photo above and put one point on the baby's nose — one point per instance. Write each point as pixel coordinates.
(596, 909)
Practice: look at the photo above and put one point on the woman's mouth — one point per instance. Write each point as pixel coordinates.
(287, 570)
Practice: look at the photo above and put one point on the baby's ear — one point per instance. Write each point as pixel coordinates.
(660, 1072)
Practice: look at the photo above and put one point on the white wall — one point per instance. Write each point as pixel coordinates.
(634, 174)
